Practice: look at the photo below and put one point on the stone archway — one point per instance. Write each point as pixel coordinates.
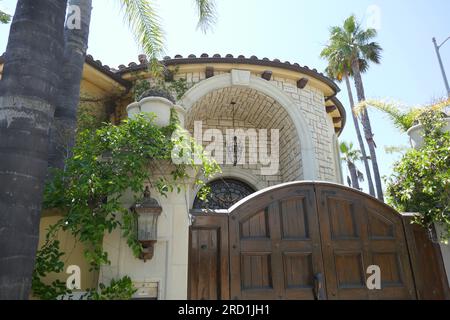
(243, 79)
(252, 113)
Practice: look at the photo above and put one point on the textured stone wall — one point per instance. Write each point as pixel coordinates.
(310, 102)
(252, 110)
(310, 105)
(253, 169)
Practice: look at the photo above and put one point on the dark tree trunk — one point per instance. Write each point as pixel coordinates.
(62, 135)
(353, 175)
(28, 91)
(360, 138)
(365, 120)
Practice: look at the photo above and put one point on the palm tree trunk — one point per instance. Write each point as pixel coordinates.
(365, 120)
(62, 135)
(360, 139)
(353, 175)
(31, 77)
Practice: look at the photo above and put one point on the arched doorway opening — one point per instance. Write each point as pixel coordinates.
(268, 147)
(255, 104)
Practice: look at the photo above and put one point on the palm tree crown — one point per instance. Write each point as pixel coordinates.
(340, 68)
(349, 153)
(350, 42)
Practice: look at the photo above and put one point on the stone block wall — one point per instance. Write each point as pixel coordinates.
(310, 103)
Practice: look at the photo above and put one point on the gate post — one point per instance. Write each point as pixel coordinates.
(426, 261)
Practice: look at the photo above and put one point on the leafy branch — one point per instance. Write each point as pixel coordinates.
(107, 163)
(421, 179)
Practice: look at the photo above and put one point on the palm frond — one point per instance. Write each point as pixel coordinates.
(338, 64)
(395, 149)
(344, 147)
(372, 52)
(402, 117)
(349, 153)
(350, 42)
(145, 25)
(4, 17)
(365, 36)
(363, 66)
(351, 24)
(439, 104)
(206, 14)
(335, 31)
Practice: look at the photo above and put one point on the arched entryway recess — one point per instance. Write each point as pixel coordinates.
(205, 100)
(303, 240)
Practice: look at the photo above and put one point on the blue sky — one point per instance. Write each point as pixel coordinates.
(297, 30)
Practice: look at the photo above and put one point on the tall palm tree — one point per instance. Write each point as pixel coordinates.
(356, 44)
(41, 78)
(28, 88)
(350, 156)
(62, 133)
(145, 26)
(340, 69)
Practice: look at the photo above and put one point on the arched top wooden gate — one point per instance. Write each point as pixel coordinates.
(301, 240)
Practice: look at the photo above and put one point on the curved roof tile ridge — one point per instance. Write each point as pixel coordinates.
(240, 59)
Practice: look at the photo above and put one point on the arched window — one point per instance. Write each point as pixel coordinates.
(224, 194)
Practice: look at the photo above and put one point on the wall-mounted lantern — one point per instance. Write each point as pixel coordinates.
(148, 211)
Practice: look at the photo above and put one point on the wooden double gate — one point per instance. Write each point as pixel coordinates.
(307, 241)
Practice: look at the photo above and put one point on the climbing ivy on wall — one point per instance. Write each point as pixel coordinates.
(108, 162)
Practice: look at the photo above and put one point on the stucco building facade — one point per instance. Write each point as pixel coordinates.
(273, 127)
(279, 224)
(233, 93)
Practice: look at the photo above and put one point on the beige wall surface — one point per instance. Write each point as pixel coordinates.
(74, 253)
(168, 268)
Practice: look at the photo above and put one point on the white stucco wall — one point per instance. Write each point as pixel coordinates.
(169, 266)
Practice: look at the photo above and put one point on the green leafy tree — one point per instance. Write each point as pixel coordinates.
(355, 46)
(122, 289)
(4, 17)
(421, 179)
(108, 162)
(350, 156)
(39, 94)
